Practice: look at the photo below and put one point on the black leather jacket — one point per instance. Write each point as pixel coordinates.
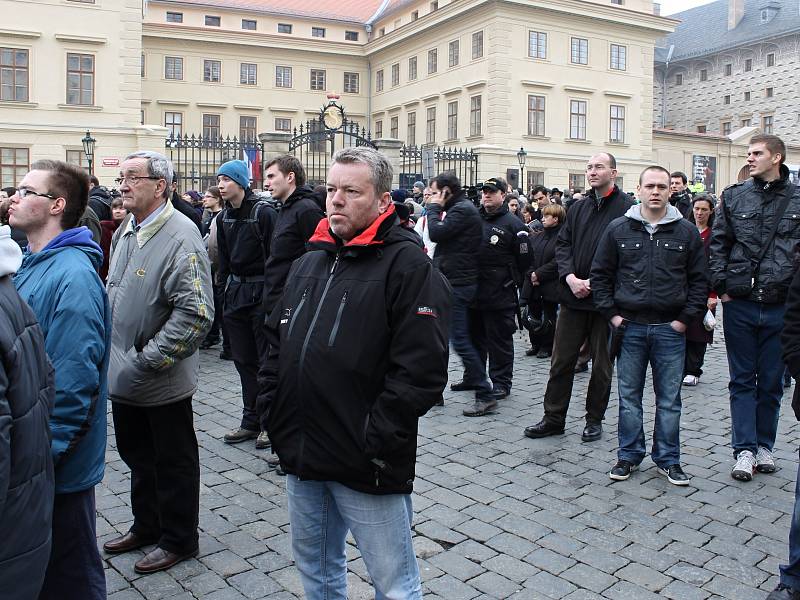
(742, 223)
(458, 237)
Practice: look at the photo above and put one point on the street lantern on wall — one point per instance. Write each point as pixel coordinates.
(522, 156)
(88, 149)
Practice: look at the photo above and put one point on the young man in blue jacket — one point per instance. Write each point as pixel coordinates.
(58, 279)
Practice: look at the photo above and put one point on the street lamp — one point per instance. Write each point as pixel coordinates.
(521, 157)
(88, 150)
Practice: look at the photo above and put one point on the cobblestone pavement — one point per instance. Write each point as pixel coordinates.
(496, 515)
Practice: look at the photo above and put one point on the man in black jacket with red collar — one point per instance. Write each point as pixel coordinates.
(357, 353)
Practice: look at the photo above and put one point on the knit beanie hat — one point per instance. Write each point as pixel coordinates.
(238, 171)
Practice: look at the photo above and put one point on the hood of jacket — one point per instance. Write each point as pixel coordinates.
(101, 193)
(78, 237)
(672, 215)
(304, 191)
(10, 253)
(382, 231)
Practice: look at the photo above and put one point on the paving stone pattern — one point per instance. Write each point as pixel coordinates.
(496, 515)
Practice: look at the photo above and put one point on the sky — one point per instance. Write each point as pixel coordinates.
(669, 7)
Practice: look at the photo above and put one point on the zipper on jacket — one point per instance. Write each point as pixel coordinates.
(335, 329)
(297, 312)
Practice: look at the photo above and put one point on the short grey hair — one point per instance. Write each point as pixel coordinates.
(380, 168)
(158, 165)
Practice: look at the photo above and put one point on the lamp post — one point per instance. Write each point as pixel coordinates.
(88, 150)
(522, 157)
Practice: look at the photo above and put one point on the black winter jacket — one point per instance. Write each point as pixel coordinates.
(458, 236)
(294, 226)
(543, 263)
(358, 352)
(742, 222)
(650, 278)
(790, 338)
(683, 202)
(577, 241)
(182, 206)
(27, 393)
(100, 203)
(503, 259)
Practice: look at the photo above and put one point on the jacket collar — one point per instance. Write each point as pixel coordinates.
(779, 183)
(503, 209)
(601, 202)
(146, 232)
(373, 235)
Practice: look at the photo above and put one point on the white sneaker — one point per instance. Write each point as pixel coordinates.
(765, 462)
(745, 466)
(691, 380)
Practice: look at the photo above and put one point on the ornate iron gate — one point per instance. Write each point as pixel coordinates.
(464, 163)
(197, 158)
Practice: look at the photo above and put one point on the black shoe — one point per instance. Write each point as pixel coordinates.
(532, 351)
(543, 429)
(581, 368)
(544, 354)
(500, 393)
(675, 475)
(622, 470)
(225, 355)
(462, 386)
(784, 592)
(440, 402)
(592, 432)
(481, 408)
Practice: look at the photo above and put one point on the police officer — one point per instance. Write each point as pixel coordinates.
(503, 258)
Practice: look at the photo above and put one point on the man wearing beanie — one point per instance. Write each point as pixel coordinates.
(244, 233)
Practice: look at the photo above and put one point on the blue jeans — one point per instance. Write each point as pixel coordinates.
(753, 341)
(461, 339)
(321, 513)
(662, 347)
(790, 574)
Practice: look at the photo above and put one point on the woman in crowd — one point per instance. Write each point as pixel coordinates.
(107, 229)
(212, 206)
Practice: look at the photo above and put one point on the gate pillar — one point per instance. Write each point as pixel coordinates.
(275, 144)
(391, 149)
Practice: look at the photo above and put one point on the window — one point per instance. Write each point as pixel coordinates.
(318, 32)
(247, 129)
(703, 74)
(382, 32)
(434, 6)
(80, 79)
(616, 124)
(771, 59)
(173, 67)
(747, 96)
(452, 120)
(411, 129)
(579, 53)
(211, 70)
(728, 69)
(475, 115)
(477, 45)
(415, 15)
(701, 129)
(412, 68)
(283, 77)
(14, 75)
(432, 60)
(174, 122)
(577, 119)
(211, 127)
(535, 178)
(748, 65)
(351, 83)
(537, 44)
(535, 115)
(577, 180)
(769, 92)
(430, 125)
(284, 28)
(394, 127)
(679, 79)
(379, 80)
(452, 54)
(77, 158)
(351, 36)
(13, 165)
(282, 124)
(395, 74)
(174, 17)
(212, 21)
(318, 79)
(746, 122)
(619, 57)
(726, 128)
(141, 116)
(617, 2)
(726, 99)
(378, 129)
(766, 124)
(249, 24)
(248, 73)
(141, 65)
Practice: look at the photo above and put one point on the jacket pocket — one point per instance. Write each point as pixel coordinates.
(296, 313)
(744, 223)
(338, 321)
(789, 225)
(674, 252)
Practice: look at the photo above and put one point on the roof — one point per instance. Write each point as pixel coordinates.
(704, 29)
(352, 11)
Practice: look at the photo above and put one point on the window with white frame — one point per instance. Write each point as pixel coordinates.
(577, 119)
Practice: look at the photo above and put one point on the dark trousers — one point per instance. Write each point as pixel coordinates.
(461, 338)
(544, 311)
(245, 328)
(572, 328)
(75, 570)
(159, 445)
(493, 335)
(695, 355)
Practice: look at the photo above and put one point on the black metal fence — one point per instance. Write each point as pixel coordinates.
(464, 163)
(196, 158)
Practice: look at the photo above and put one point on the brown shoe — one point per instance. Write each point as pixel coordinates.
(126, 543)
(160, 560)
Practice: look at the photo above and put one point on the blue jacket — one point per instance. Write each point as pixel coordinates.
(61, 285)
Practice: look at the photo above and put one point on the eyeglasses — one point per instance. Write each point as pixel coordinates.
(23, 192)
(132, 179)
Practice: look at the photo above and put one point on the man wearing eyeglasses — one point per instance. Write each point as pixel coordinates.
(58, 279)
(159, 286)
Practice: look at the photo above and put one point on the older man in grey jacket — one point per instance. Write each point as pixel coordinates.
(159, 288)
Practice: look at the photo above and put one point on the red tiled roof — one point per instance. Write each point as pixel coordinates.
(357, 11)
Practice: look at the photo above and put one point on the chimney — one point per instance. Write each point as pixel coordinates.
(735, 13)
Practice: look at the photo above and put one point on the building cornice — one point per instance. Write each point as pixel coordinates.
(19, 33)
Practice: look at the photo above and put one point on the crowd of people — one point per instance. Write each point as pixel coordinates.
(339, 316)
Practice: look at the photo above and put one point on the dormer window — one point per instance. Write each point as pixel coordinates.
(768, 12)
